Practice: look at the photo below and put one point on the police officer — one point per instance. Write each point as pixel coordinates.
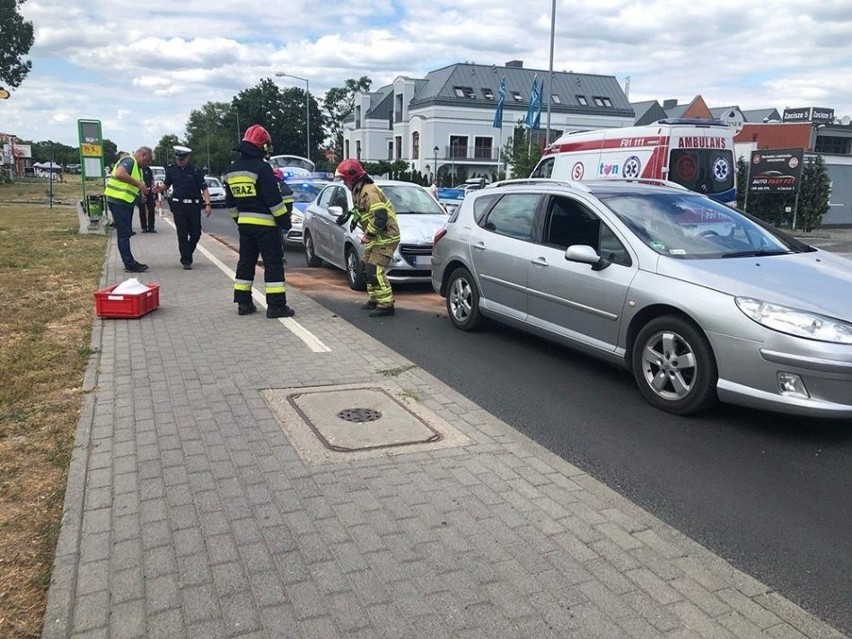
(189, 192)
(374, 213)
(146, 204)
(262, 211)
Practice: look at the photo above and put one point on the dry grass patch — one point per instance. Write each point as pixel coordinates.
(47, 276)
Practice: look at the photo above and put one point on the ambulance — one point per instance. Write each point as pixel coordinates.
(696, 153)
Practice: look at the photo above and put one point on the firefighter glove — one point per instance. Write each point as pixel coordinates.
(341, 219)
(285, 224)
(353, 225)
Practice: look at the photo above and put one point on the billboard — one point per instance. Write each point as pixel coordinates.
(775, 171)
(814, 115)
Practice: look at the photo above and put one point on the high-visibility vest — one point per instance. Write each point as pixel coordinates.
(118, 190)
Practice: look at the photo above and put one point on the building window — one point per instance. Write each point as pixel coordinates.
(398, 144)
(582, 100)
(602, 101)
(517, 97)
(397, 107)
(357, 117)
(358, 150)
(556, 99)
(482, 148)
(487, 93)
(415, 145)
(458, 146)
(459, 91)
(832, 144)
(390, 149)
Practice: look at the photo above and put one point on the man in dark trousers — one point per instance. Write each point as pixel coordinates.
(189, 192)
(262, 211)
(146, 203)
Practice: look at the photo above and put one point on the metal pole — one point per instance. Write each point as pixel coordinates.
(550, 71)
(308, 118)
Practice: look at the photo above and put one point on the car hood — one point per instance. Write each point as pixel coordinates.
(816, 281)
(419, 229)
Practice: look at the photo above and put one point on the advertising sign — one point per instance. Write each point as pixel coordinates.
(775, 171)
(814, 115)
(91, 148)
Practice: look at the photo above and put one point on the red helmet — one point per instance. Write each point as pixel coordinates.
(350, 170)
(260, 137)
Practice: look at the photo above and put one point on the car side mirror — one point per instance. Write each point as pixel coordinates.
(585, 254)
(336, 211)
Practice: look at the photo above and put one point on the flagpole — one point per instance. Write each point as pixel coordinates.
(550, 73)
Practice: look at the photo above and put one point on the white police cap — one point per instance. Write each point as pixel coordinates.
(181, 151)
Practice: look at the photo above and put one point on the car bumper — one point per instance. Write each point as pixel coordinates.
(822, 372)
(293, 237)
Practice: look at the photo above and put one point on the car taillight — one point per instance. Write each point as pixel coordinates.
(441, 233)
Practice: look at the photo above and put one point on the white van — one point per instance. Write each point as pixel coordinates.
(695, 153)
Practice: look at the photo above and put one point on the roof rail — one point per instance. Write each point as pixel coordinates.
(655, 181)
(520, 181)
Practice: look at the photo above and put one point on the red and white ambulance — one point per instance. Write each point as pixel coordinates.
(696, 153)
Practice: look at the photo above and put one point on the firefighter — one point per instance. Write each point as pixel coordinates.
(374, 213)
(261, 210)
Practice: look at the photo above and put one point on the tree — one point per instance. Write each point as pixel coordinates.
(16, 36)
(164, 150)
(521, 153)
(208, 134)
(814, 194)
(338, 103)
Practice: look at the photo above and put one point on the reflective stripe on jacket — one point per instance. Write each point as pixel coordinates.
(375, 215)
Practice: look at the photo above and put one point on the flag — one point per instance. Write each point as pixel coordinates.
(533, 118)
(501, 96)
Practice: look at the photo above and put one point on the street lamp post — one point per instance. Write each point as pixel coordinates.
(436, 149)
(281, 74)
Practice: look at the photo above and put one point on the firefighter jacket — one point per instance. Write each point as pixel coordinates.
(119, 191)
(252, 191)
(377, 220)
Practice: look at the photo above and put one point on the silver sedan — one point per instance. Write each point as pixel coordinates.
(419, 217)
(699, 301)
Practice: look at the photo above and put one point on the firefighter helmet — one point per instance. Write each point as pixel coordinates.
(350, 170)
(260, 137)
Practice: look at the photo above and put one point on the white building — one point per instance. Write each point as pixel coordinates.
(446, 119)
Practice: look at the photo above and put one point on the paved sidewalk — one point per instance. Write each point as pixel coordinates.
(201, 503)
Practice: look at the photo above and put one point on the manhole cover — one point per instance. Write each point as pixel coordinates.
(359, 415)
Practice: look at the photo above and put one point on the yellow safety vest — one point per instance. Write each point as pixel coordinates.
(118, 190)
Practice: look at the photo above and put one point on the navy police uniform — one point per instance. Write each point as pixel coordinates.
(189, 192)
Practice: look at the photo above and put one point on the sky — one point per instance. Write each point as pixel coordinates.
(142, 67)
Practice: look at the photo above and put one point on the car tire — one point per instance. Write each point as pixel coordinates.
(311, 257)
(674, 366)
(355, 270)
(463, 301)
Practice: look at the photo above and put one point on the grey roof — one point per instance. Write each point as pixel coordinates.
(647, 112)
(758, 115)
(381, 103)
(439, 87)
(677, 111)
(722, 112)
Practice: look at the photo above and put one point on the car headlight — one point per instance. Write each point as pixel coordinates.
(796, 322)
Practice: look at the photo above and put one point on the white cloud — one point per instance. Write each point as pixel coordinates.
(141, 68)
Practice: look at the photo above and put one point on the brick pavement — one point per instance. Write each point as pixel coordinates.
(190, 513)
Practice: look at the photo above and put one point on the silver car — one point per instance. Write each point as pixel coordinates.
(419, 217)
(698, 300)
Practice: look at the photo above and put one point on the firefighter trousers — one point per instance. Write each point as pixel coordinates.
(264, 241)
(378, 286)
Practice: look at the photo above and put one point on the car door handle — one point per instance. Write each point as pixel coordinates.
(539, 261)
(479, 246)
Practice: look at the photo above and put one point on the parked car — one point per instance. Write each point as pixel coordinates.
(216, 191)
(701, 302)
(419, 217)
(451, 199)
(305, 191)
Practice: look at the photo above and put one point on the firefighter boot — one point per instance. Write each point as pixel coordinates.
(246, 309)
(382, 311)
(369, 305)
(279, 311)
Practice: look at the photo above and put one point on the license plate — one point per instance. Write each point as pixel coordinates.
(423, 261)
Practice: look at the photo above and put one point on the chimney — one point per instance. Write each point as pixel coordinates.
(515, 64)
(668, 104)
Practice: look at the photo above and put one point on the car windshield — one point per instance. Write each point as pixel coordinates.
(412, 200)
(690, 226)
(211, 181)
(305, 191)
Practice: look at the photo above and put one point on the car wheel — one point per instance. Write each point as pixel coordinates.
(311, 257)
(674, 366)
(463, 301)
(355, 270)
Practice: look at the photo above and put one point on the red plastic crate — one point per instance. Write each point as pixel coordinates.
(126, 306)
